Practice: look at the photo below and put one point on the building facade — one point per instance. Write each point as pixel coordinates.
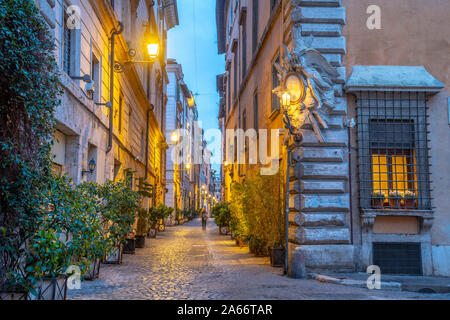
(369, 174)
(182, 174)
(112, 110)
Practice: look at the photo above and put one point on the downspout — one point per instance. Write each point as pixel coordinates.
(349, 127)
(286, 252)
(111, 85)
(152, 107)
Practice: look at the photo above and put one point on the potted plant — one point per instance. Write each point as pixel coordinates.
(410, 200)
(119, 209)
(378, 199)
(153, 221)
(47, 266)
(130, 245)
(277, 255)
(178, 216)
(222, 217)
(395, 199)
(257, 246)
(142, 228)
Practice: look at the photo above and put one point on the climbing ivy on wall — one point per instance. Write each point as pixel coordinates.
(29, 94)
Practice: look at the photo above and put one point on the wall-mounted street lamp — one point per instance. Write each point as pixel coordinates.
(191, 101)
(91, 168)
(153, 48)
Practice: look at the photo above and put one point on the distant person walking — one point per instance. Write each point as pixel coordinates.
(204, 219)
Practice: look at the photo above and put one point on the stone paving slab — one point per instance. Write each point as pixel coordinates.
(185, 263)
(424, 284)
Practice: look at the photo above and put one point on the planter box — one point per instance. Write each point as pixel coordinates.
(94, 271)
(50, 289)
(395, 203)
(115, 257)
(152, 233)
(277, 256)
(410, 204)
(9, 296)
(377, 203)
(140, 241)
(223, 230)
(130, 246)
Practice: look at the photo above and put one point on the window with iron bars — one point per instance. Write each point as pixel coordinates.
(393, 150)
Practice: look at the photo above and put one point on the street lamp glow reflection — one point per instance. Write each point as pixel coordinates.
(188, 166)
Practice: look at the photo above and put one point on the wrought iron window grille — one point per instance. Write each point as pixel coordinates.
(393, 152)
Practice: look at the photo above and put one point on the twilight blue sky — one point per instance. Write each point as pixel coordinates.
(194, 45)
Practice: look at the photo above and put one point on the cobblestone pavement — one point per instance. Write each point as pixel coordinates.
(186, 263)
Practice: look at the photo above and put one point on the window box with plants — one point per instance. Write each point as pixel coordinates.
(395, 200)
(378, 198)
(410, 200)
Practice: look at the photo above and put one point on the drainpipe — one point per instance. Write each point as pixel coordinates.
(152, 107)
(350, 125)
(111, 85)
(288, 166)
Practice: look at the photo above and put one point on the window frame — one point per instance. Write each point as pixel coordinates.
(400, 106)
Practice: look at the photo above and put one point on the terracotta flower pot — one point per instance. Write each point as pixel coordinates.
(377, 203)
(395, 203)
(410, 203)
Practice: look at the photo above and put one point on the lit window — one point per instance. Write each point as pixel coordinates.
(393, 151)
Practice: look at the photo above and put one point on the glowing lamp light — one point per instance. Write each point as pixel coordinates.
(191, 101)
(174, 137)
(188, 166)
(286, 99)
(295, 87)
(153, 50)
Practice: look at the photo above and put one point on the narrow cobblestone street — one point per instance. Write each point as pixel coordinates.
(185, 263)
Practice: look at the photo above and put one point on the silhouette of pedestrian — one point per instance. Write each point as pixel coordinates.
(204, 219)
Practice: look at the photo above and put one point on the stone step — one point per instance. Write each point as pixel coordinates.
(322, 235)
(326, 171)
(307, 154)
(318, 15)
(319, 202)
(320, 3)
(320, 219)
(320, 29)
